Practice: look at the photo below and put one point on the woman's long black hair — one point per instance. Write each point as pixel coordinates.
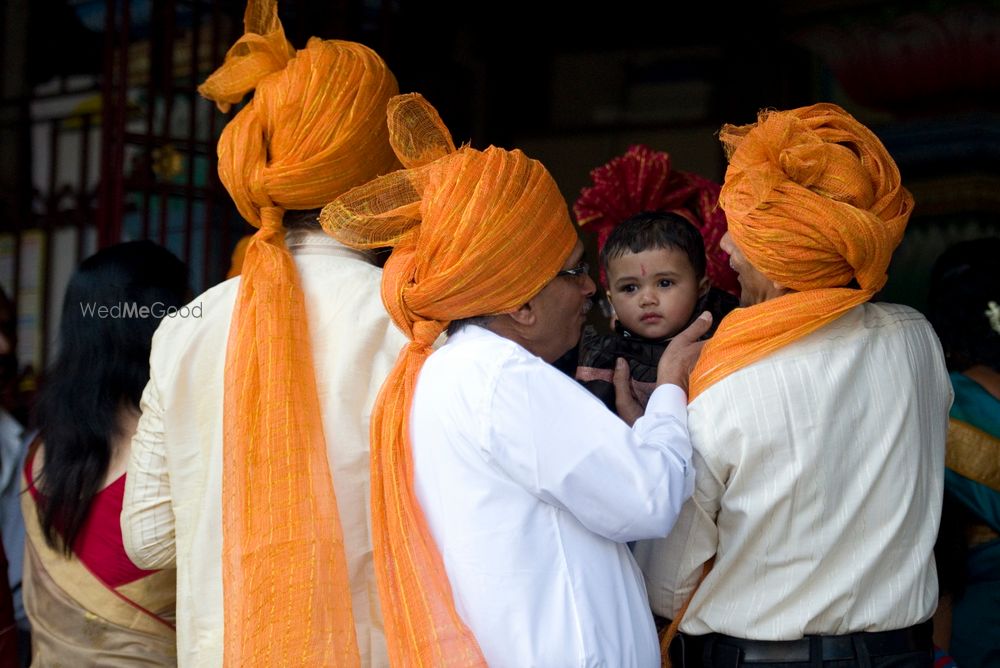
(101, 367)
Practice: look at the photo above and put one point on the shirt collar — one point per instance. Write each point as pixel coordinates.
(313, 241)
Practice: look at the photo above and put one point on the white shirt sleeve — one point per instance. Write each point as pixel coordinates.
(561, 444)
(147, 516)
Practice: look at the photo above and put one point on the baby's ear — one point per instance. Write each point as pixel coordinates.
(703, 286)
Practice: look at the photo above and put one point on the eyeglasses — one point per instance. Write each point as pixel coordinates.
(579, 271)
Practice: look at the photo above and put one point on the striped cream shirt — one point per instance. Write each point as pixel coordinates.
(819, 474)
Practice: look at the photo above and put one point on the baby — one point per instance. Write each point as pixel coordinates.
(656, 283)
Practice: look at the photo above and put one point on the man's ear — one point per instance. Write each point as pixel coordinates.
(523, 315)
(703, 286)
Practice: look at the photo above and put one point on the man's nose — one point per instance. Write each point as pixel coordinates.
(589, 287)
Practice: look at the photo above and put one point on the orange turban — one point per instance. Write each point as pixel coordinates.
(474, 233)
(314, 128)
(813, 201)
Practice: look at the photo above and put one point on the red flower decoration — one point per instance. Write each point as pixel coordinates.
(641, 180)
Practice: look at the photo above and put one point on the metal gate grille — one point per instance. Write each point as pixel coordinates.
(161, 135)
(119, 150)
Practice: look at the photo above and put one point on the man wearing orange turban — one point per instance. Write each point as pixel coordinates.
(503, 493)
(818, 419)
(249, 469)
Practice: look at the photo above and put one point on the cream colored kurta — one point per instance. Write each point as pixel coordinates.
(172, 512)
(819, 473)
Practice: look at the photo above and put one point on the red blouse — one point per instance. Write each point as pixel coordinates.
(99, 544)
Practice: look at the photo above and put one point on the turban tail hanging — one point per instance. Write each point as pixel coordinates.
(314, 128)
(473, 233)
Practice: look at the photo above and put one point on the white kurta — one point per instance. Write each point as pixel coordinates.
(819, 482)
(531, 488)
(172, 511)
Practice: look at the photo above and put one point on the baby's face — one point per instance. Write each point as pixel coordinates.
(654, 292)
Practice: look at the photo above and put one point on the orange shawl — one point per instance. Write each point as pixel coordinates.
(314, 128)
(813, 200)
(474, 233)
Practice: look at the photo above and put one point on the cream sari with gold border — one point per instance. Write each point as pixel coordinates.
(77, 620)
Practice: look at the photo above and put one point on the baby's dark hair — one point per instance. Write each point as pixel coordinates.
(651, 230)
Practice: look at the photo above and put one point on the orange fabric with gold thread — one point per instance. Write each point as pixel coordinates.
(314, 128)
(813, 201)
(261, 50)
(474, 233)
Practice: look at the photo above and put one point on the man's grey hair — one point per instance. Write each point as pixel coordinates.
(456, 326)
